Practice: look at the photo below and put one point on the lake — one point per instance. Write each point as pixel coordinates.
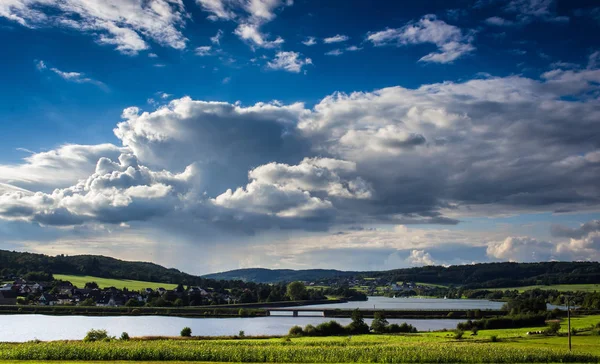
(19, 328)
(413, 303)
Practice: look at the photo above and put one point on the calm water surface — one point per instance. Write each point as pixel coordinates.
(18, 328)
(415, 303)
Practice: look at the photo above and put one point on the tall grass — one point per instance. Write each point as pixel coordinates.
(294, 351)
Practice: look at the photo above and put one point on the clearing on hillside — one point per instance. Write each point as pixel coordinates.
(80, 282)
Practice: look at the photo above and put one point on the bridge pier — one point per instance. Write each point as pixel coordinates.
(295, 313)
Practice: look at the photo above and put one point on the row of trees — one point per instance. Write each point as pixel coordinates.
(358, 326)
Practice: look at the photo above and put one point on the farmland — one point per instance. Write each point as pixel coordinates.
(80, 282)
(503, 346)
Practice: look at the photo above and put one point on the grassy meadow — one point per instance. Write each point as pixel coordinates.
(80, 282)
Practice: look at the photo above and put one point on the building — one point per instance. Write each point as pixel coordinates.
(47, 299)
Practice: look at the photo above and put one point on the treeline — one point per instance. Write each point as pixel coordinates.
(497, 275)
(586, 300)
(358, 326)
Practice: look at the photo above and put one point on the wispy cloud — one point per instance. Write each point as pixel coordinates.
(335, 52)
(336, 39)
(452, 43)
(76, 77)
(310, 41)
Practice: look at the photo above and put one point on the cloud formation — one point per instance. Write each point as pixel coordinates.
(336, 39)
(450, 40)
(126, 24)
(76, 77)
(288, 61)
(428, 155)
(250, 15)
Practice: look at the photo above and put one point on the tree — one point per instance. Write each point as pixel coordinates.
(296, 291)
(132, 303)
(379, 323)
(95, 335)
(358, 325)
(88, 302)
(186, 332)
(91, 285)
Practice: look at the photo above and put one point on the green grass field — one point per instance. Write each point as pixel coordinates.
(558, 287)
(80, 282)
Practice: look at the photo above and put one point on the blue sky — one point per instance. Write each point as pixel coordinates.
(296, 131)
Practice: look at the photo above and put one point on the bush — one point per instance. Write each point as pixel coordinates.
(474, 331)
(331, 328)
(494, 339)
(403, 328)
(553, 329)
(95, 335)
(296, 331)
(504, 322)
(310, 330)
(242, 333)
(186, 332)
(243, 312)
(458, 334)
(124, 336)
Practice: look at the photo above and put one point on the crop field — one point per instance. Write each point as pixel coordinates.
(380, 348)
(508, 346)
(80, 282)
(558, 287)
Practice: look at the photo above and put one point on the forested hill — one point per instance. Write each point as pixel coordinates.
(261, 275)
(497, 275)
(17, 263)
(483, 275)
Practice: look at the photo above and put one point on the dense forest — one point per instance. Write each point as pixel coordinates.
(499, 275)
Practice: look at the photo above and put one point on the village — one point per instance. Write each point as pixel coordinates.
(23, 292)
(64, 293)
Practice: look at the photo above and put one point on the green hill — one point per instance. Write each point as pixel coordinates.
(18, 263)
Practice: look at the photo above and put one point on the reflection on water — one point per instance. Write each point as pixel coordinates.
(28, 327)
(413, 303)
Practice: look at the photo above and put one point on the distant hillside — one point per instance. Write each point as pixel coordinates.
(261, 275)
(482, 275)
(17, 263)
